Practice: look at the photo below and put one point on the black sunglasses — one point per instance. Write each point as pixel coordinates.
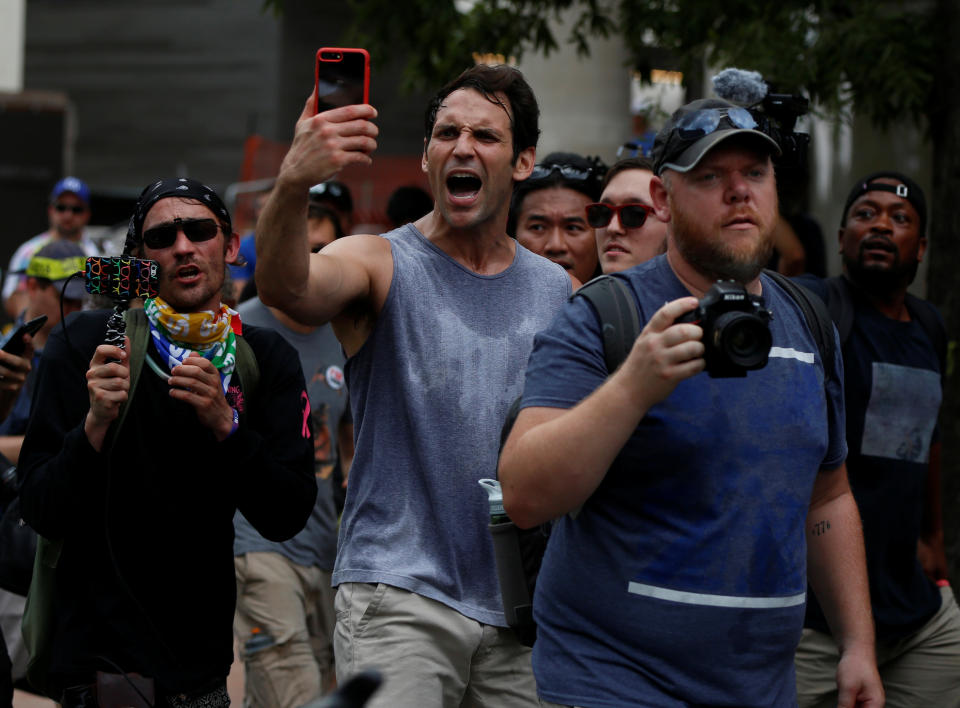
(196, 230)
(632, 216)
(630, 149)
(567, 171)
(75, 208)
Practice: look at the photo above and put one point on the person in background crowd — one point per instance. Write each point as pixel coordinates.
(285, 616)
(241, 273)
(335, 196)
(628, 231)
(547, 212)
(894, 351)
(46, 274)
(68, 213)
(407, 204)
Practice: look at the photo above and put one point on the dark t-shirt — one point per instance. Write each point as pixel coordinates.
(893, 392)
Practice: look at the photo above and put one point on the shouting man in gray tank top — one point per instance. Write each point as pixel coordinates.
(437, 319)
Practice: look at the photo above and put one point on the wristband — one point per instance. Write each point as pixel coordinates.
(236, 423)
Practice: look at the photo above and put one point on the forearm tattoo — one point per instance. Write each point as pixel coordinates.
(819, 528)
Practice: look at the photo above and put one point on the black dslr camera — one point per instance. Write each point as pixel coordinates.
(736, 329)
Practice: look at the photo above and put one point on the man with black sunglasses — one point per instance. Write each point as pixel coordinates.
(547, 212)
(690, 506)
(437, 319)
(68, 213)
(139, 457)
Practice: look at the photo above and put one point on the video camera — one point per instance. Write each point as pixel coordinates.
(776, 113)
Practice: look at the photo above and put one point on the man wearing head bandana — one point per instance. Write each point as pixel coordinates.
(894, 354)
(145, 580)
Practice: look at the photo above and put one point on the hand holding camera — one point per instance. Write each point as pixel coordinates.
(664, 354)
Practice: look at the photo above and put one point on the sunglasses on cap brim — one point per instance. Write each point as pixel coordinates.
(632, 216)
(196, 230)
(567, 171)
(707, 120)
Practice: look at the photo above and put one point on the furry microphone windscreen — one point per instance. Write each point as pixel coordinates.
(745, 88)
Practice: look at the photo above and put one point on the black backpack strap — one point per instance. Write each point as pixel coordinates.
(840, 305)
(924, 313)
(815, 313)
(615, 306)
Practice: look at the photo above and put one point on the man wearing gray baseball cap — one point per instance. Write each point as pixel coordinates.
(692, 503)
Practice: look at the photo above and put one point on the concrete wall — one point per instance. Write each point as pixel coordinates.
(584, 103)
(158, 87)
(11, 44)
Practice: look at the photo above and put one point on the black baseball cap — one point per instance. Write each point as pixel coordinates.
(907, 189)
(699, 126)
(334, 192)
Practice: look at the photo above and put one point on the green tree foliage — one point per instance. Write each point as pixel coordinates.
(875, 55)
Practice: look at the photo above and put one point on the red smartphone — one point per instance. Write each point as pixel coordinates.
(342, 76)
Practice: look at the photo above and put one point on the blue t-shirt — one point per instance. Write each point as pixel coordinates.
(683, 578)
(893, 392)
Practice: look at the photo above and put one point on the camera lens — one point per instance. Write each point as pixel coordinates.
(743, 339)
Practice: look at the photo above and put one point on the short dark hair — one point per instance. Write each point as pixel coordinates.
(523, 110)
(407, 204)
(628, 163)
(321, 212)
(552, 165)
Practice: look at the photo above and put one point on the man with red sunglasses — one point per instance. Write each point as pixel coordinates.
(627, 230)
(68, 213)
(140, 478)
(690, 506)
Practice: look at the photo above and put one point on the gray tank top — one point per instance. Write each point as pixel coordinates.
(429, 391)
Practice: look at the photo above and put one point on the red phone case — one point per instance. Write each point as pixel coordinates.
(358, 76)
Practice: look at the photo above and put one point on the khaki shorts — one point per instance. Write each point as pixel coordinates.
(920, 670)
(430, 655)
(291, 607)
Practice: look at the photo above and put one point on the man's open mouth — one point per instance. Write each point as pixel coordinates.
(878, 244)
(462, 185)
(188, 272)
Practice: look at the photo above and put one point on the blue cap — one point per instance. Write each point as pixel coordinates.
(74, 186)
